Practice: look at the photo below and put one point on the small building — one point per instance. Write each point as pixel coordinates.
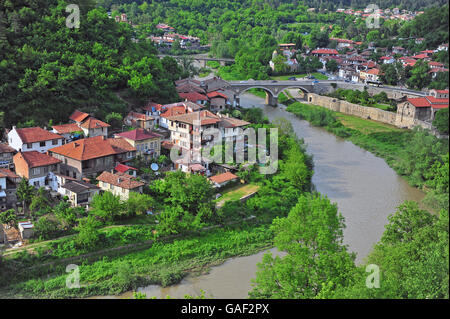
(33, 139)
(90, 156)
(93, 127)
(119, 184)
(79, 193)
(38, 168)
(6, 156)
(8, 187)
(223, 179)
(147, 143)
(139, 120)
(69, 131)
(218, 100)
(439, 94)
(194, 97)
(26, 229)
(420, 108)
(125, 169)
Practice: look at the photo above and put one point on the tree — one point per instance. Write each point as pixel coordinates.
(8, 217)
(40, 204)
(106, 207)
(441, 120)
(331, 65)
(25, 193)
(46, 228)
(88, 234)
(420, 77)
(312, 237)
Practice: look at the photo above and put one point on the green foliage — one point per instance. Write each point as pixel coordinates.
(106, 207)
(412, 255)
(47, 70)
(312, 237)
(46, 228)
(441, 121)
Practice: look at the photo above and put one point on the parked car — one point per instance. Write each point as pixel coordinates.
(292, 78)
(347, 80)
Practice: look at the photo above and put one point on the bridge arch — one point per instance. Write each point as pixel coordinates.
(271, 97)
(304, 91)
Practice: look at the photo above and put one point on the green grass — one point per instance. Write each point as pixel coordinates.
(237, 193)
(385, 107)
(164, 263)
(363, 125)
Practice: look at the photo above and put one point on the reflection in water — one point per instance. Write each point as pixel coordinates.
(364, 187)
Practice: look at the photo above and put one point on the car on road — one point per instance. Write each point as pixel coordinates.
(274, 81)
(243, 81)
(315, 81)
(347, 80)
(292, 78)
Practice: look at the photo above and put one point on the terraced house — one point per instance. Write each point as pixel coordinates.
(38, 168)
(91, 156)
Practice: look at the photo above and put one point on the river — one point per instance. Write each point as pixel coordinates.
(364, 187)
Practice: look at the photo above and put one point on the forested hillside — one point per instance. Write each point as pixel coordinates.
(47, 69)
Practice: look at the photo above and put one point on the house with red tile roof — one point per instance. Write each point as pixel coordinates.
(78, 117)
(139, 120)
(129, 170)
(435, 71)
(8, 186)
(419, 109)
(93, 127)
(120, 184)
(90, 156)
(33, 139)
(147, 143)
(321, 52)
(218, 101)
(68, 131)
(223, 179)
(194, 97)
(6, 156)
(38, 168)
(440, 94)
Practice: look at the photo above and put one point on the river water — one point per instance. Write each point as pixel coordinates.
(364, 187)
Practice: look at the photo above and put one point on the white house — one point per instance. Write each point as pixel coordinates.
(33, 139)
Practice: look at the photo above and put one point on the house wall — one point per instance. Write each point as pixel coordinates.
(93, 132)
(6, 160)
(118, 191)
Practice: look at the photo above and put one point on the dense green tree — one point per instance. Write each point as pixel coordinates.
(441, 121)
(312, 237)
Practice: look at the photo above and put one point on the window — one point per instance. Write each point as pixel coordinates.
(29, 145)
(54, 142)
(41, 144)
(36, 171)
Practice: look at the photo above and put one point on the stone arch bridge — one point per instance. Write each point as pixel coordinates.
(272, 88)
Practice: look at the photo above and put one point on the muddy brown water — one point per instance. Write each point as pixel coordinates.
(364, 187)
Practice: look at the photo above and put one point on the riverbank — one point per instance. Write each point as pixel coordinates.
(413, 154)
(164, 263)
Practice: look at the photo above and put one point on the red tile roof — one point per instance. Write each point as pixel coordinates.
(419, 102)
(193, 96)
(78, 116)
(36, 159)
(173, 111)
(150, 105)
(429, 101)
(325, 51)
(36, 134)
(215, 94)
(66, 128)
(93, 147)
(5, 148)
(92, 123)
(139, 116)
(420, 56)
(4, 172)
(122, 168)
(205, 117)
(139, 135)
(120, 179)
(221, 178)
(442, 91)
